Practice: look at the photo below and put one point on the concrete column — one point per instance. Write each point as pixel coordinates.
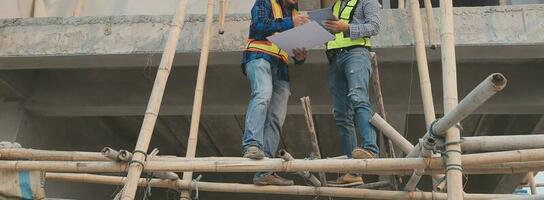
(12, 117)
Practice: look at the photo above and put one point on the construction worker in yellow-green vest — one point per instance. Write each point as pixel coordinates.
(265, 65)
(349, 75)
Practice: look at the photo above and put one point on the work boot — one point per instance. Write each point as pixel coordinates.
(347, 179)
(272, 179)
(254, 153)
(360, 153)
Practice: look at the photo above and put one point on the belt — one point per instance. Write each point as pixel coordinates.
(331, 54)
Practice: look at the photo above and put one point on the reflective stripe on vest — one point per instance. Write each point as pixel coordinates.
(267, 46)
(346, 15)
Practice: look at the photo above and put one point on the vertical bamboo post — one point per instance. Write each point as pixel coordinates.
(222, 16)
(154, 104)
(430, 24)
(532, 182)
(424, 78)
(377, 88)
(199, 93)
(454, 169)
(401, 4)
(79, 8)
(306, 106)
(423, 68)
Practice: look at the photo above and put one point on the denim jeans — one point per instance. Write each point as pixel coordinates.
(267, 107)
(350, 73)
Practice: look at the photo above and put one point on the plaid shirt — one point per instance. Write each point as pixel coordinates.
(263, 25)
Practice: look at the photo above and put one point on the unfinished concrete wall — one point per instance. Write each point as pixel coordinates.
(65, 8)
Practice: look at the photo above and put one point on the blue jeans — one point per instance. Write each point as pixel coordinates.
(350, 73)
(267, 107)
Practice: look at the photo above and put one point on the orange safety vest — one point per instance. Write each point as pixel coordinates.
(266, 46)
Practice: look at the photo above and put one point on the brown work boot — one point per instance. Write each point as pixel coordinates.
(272, 179)
(347, 179)
(360, 153)
(254, 153)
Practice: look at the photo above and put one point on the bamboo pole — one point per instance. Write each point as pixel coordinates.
(286, 190)
(532, 182)
(384, 141)
(430, 24)
(485, 90)
(199, 93)
(222, 15)
(306, 106)
(153, 107)
(502, 143)
(516, 159)
(390, 132)
(471, 144)
(454, 171)
(79, 8)
(423, 68)
(401, 4)
(155, 166)
(425, 85)
(33, 154)
(304, 174)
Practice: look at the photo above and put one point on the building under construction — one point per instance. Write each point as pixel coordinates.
(77, 76)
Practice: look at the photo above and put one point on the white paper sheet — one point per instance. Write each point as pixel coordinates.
(306, 36)
(321, 15)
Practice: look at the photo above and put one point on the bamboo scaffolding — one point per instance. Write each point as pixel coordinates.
(286, 190)
(155, 166)
(390, 132)
(304, 174)
(430, 24)
(377, 88)
(79, 8)
(454, 171)
(485, 90)
(153, 107)
(426, 90)
(199, 93)
(222, 14)
(423, 68)
(366, 166)
(401, 4)
(470, 144)
(306, 106)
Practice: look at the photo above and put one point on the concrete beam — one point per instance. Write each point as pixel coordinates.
(485, 32)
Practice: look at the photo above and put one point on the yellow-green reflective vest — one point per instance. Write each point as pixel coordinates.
(346, 15)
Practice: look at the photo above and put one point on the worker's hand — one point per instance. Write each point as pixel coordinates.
(300, 54)
(336, 26)
(300, 20)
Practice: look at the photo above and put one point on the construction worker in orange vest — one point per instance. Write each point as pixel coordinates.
(265, 65)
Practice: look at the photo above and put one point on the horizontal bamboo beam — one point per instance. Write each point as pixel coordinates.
(502, 143)
(34, 154)
(325, 165)
(286, 190)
